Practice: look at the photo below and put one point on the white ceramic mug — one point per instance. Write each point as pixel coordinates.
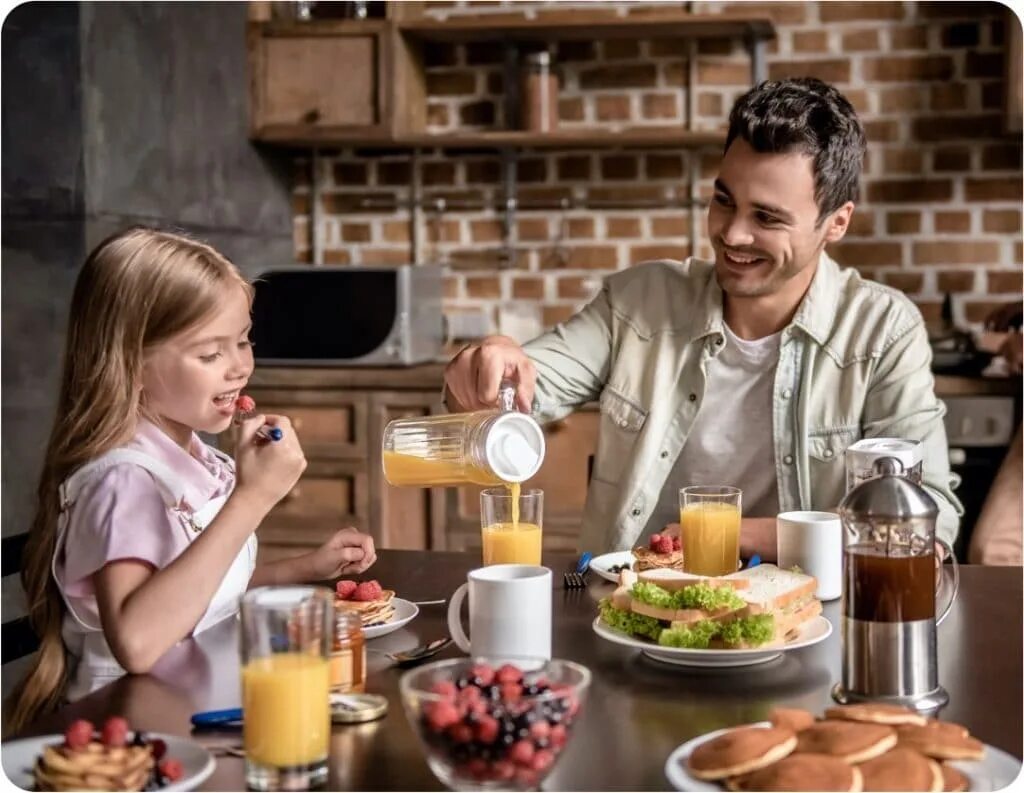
(509, 612)
(813, 541)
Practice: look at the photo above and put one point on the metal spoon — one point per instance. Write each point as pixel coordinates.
(416, 654)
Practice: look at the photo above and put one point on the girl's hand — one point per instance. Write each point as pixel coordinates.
(268, 470)
(347, 552)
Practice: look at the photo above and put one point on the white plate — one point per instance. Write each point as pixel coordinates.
(19, 757)
(602, 564)
(996, 770)
(814, 631)
(404, 612)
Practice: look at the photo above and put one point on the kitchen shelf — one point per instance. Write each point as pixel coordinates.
(587, 25)
(636, 137)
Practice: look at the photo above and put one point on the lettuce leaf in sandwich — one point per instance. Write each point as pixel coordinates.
(698, 596)
(695, 637)
(630, 622)
(752, 631)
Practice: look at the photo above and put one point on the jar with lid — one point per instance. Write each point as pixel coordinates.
(485, 447)
(348, 655)
(540, 93)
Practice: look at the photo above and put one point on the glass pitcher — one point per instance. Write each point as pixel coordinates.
(486, 447)
(889, 591)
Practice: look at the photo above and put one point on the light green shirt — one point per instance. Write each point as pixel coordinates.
(854, 363)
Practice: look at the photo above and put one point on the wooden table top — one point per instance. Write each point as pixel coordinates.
(637, 712)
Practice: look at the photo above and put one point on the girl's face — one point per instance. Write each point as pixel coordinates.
(191, 382)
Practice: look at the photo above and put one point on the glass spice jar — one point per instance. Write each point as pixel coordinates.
(540, 93)
(348, 656)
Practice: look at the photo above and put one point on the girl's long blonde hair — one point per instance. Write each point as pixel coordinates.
(137, 289)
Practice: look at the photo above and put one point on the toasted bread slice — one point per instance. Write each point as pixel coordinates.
(773, 589)
(674, 580)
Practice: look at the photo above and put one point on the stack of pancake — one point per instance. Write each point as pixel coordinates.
(856, 747)
(372, 612)
(94, 767)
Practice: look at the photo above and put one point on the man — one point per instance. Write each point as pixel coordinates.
(757, 370)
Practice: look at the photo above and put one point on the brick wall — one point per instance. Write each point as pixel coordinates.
(941, 200)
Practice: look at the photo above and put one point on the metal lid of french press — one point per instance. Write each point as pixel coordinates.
(889, 495)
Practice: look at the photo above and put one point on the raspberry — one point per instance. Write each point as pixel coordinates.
(486, 729)
(78, 734)
(664, 544)
(677, 544)
(509, 674)
(245, 403)
(511, 692)
(558, 736)
(444, 688)
(526, 779)
(368, 590)
(502, 770)
(542, 761)
(655, 539)
(441, 715)
(521, 752)
(540, 729)
(482, 675)
(344, 589)
(477, 767)
(469, 694)
(115, 732)
(460, 733)
(171, 769)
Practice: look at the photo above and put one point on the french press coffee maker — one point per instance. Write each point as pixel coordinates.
(889, 592)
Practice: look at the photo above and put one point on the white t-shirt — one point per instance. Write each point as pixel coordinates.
(731, 441)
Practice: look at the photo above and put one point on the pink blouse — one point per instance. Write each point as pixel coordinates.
(121, 514)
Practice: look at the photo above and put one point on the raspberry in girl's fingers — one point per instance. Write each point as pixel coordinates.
(245, 403)
(345, 589)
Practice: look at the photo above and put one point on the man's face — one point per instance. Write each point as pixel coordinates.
(762, 222)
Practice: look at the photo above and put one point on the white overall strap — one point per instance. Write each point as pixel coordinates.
(171, 489)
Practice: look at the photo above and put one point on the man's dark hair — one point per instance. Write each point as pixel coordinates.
(807, 115)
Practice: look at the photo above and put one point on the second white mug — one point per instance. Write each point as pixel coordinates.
(813, 541)
(509, 612)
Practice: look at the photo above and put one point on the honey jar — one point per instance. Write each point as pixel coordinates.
(348, 655)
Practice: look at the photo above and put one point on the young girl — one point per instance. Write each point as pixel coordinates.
(144, 535)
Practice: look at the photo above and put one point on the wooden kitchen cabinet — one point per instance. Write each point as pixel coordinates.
(340, 415)
(333, 81)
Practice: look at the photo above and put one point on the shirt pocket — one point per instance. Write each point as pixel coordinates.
(826, 453)
(622, 419)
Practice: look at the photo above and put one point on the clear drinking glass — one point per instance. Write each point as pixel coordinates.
(511, 522)
(287, 637)
(709, 516)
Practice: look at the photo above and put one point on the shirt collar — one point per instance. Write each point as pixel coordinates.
(815, 314)
(202, 474)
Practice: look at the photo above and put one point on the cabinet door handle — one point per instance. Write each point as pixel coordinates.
(311, 116)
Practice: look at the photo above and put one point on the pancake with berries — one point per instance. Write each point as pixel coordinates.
(367, 599)
(662, 552)
(108, 761)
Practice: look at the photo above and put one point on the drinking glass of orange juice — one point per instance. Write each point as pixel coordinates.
(510, 521)
(710, 521)
(287, 636)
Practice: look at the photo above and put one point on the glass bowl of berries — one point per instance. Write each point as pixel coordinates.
(486, 725)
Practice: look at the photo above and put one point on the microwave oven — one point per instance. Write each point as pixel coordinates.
(348, 316)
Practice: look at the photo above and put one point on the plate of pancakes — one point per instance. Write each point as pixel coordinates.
(812, 632)
(869, 746)
(382, 615)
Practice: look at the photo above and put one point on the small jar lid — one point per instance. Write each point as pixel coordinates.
(355, 708)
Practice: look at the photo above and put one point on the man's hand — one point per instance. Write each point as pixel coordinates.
(473, 377)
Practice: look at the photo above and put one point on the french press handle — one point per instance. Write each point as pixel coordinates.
(942, 578)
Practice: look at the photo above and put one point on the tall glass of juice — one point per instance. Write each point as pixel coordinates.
(510, 522)
(710, 520)
(287, 637)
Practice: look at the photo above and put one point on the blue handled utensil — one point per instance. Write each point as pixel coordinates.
(755, 560)
(584, 563)
(217, 719)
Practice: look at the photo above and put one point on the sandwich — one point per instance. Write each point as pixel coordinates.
(760, 607)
